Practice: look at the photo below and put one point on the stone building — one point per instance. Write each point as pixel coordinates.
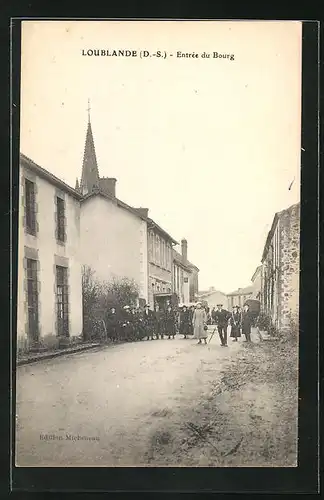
(49, 303)
(213, 297)
(113, 235)
(182, 271)
(86, 226)
(239, 296)
(280, 268)
(128, 242)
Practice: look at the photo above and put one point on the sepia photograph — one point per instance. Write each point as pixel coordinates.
(159, 244)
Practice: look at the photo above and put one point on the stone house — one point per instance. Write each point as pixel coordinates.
(239, 296)
(86, 226)
(49, 302)
(113, 235)
(280, 268)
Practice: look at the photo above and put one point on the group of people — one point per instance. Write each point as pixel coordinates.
(239, 320)
(135, 324)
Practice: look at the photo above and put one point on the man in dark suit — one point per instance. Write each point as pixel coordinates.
(221, 317)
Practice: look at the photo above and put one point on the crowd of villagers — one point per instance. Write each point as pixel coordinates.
(129, 324)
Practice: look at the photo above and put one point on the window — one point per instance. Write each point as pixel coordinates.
(153, 247)
(32, 299)
(62, 302)
(30, 206)
(60, 223)
(157, 256)
(163, 253)
(168, 256)
(150, 245)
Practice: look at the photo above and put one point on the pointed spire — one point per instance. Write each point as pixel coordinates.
(77, 187)
(90, 173)
(88, 110)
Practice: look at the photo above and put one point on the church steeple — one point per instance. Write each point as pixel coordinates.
(90, 173)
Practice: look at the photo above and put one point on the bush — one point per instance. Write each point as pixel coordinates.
(99, 297)
(264, 322)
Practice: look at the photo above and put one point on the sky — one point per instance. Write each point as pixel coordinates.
(209, 145)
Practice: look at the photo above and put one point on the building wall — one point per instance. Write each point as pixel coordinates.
(280, 270)
(159, 265)
(48, 252)
(193, 285)
(290, 265)
(214, 298)
(181, 283)
(113, 242)
(257, 285)
(238, 300)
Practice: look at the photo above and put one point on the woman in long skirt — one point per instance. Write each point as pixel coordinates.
(235, 322)
(199, 321)
(184, 327)
(169, 322)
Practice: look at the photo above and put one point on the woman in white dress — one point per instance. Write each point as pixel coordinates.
(199, 322)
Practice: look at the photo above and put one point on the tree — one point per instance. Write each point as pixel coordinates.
(100, 297)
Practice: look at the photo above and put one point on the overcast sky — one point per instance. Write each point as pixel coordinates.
(210, 146)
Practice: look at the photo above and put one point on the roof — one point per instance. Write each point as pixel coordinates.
(134, 211)
(193, 266)
(154, 225)
(276, 218)
(177, 257)
(45, 174)
(208, 293)
(99, 192)
(242, 291)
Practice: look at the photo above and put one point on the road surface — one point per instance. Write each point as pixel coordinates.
(104, 407)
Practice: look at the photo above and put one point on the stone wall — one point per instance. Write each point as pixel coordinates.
(289, 265)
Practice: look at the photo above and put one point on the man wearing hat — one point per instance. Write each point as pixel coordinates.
(236, 323)
(222, 316)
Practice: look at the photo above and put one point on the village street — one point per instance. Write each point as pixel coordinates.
(123, 395)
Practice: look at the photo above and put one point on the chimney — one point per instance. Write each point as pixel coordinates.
(184, 250)
(108, 185)
(143, 212)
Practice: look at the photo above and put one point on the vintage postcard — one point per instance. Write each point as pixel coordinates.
(159, 234)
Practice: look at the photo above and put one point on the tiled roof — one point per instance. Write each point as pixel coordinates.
(242, 291)
(207, 293)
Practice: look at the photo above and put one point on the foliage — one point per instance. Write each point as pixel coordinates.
(264, 323)
(99, 297)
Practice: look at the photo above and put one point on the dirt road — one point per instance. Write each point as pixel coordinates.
(116, 405)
